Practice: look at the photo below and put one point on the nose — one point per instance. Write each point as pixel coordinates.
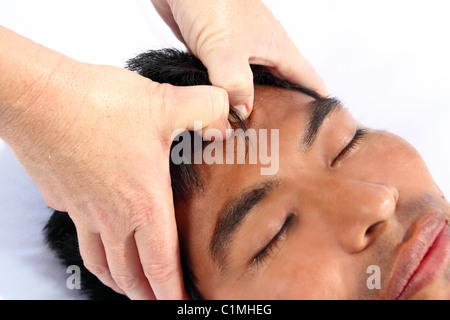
(359, 209)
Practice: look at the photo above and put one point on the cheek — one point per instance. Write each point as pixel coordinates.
(309, 279)
(389, 159)
(307, 267)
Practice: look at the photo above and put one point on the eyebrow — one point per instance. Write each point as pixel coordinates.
(230, 219)
(232, 216)
(320, 110)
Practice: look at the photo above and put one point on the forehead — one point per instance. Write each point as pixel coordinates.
(274, 108)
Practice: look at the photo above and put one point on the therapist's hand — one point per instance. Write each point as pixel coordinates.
(228, 35)
(96, 141)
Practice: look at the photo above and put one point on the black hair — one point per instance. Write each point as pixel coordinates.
(179, 69)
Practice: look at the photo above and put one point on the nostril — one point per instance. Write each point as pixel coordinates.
(369, 235)
(372, 229)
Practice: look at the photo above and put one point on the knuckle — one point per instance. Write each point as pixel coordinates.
(165, 93)
(98, 270)
(141, 214)
(159, 272)
(145, 208)
(53, 201)
(165, 98)
(125, 282)
(219, 106)
(237, 84)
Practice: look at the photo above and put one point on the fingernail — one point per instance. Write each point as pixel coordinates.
(242, 111)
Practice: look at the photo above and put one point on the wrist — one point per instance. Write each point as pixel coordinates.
(31, 76)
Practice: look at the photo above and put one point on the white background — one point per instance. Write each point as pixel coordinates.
(388, 61)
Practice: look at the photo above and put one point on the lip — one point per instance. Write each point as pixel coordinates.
(422, 258)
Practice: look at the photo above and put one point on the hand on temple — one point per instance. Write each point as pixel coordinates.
(229, 35)
(96, 139)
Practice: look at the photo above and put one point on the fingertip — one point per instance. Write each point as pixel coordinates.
(240, 95)
(231, 71)
(243, 111)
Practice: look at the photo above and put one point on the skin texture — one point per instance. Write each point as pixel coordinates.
(346, 216)
(85, 133)
(52, 106)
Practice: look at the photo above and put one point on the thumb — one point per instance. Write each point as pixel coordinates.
(188, 107)
(231, 71)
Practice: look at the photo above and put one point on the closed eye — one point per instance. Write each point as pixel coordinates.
(351, 146)
(266, 253)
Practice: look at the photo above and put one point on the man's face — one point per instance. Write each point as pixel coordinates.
(352, 213)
